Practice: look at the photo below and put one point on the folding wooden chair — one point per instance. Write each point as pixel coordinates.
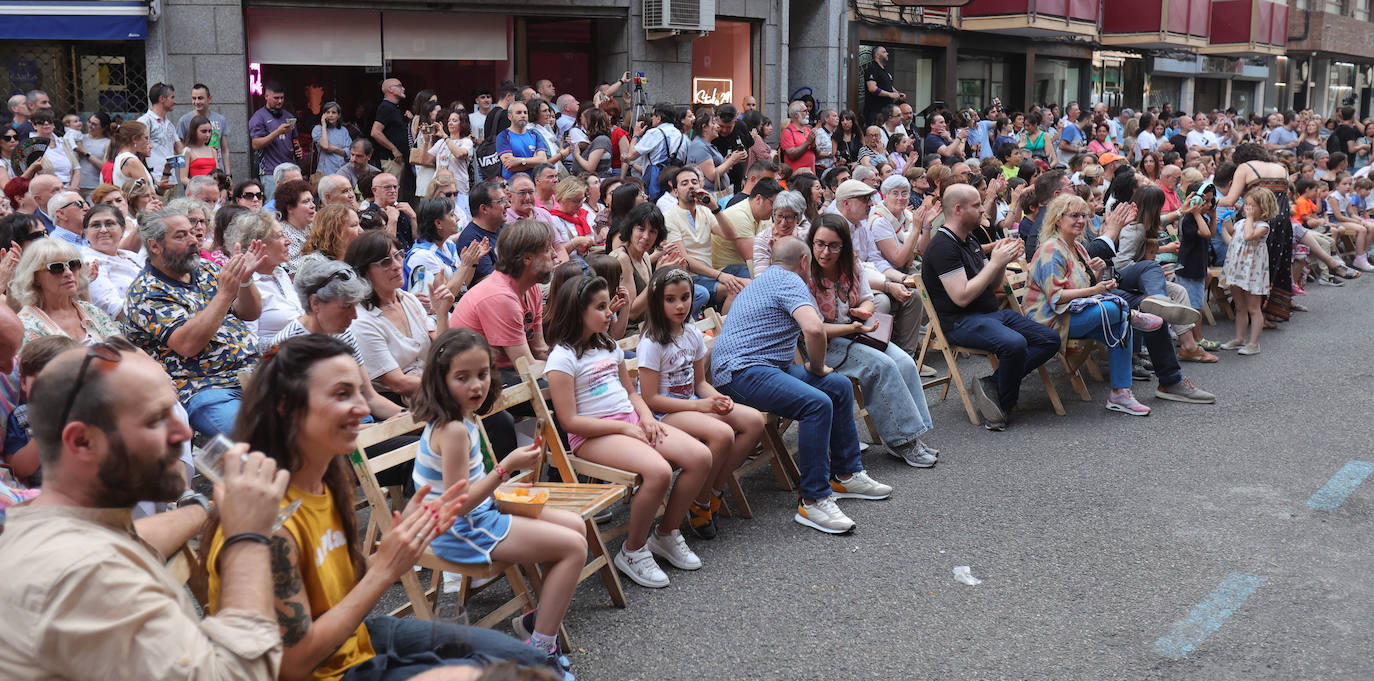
(423, 601)
(1216, 294)
(935, 339)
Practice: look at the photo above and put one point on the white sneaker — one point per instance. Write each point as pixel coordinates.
(641, 568)
(860, 486)
(673, 548)
(823, 515)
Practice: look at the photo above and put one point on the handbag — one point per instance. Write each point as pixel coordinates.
(879, 337)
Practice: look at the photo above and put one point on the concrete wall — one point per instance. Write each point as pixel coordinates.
(816, 57)
(201, 41)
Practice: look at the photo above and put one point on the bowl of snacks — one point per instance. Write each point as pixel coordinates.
(521, 500)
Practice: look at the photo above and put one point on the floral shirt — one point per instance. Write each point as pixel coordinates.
(158, 305)
(1058, 266)
(96, 323)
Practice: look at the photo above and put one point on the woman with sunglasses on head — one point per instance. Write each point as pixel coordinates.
(249, 194)
(280, 304)
(142, 197)
(329, 291)
(118, 267)
(393, 327)
(51, 284)
(131, 149)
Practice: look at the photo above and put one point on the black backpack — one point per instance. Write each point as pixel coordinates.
(488, 161)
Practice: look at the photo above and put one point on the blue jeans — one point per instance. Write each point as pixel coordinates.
(1143, 276)
(407, 647)
(1159, 345)
(708, 285)
(214, 411)
(1197, 292)
(822, 406)
(891, 385)
(1107, 323)
(1021, 346)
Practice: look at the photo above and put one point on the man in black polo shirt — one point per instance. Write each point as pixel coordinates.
(731, 138)
(962, 289)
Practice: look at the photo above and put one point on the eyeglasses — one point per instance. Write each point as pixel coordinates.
(251, 196)
(108, 350)
(80, 203)
(785, 217)
(1077, 216)
(395, 258)
(385, 187)
(58, 268)
(103, 226)
(832, 246)
(199, 221)
(341, 275)
(524, 192)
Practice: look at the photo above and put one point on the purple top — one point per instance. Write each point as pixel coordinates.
(279, 151)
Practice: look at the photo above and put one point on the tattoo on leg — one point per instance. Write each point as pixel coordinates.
(286, 579)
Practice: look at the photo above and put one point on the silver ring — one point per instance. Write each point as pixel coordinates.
(243, 458)
(420, 536)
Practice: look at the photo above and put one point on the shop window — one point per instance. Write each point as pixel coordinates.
(1056, 81)
(1165, 90)
(980, 80)
(85, 77)
(722, 65)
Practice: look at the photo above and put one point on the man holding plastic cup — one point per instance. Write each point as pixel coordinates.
(85, 587)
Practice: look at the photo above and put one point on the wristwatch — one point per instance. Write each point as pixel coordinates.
(191, 496)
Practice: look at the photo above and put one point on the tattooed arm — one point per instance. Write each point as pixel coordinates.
(308, 642)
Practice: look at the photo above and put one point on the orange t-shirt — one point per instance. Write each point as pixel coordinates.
(1302, 210)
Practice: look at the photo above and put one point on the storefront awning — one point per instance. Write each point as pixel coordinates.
(73, 20)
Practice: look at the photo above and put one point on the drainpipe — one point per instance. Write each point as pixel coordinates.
(784, 59)
(1306, 26)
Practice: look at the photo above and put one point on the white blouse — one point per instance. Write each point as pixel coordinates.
(385, 347)
(117, 273)
(280, 304)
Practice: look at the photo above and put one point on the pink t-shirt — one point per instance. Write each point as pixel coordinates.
(494, 309)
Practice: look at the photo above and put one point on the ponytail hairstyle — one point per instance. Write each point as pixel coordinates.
(569, 303)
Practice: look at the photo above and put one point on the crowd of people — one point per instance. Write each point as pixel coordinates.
(150, 299)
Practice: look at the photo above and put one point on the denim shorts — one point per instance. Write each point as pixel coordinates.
(1197, 292)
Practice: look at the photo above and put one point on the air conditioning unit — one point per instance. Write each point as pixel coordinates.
(676, 16)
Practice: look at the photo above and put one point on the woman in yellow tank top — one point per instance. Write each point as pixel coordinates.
(304, 409)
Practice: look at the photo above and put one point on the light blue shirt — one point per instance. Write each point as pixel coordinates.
(68, 236)
(760, 330)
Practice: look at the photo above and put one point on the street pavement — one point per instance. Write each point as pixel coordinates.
(1176, 546)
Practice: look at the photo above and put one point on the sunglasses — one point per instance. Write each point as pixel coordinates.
(450, 195)
(10, 138)
(80, 203)
(395, 258)
(58, 268)
(30, 236)
(108, 350)
(251, 196)
(341, 275)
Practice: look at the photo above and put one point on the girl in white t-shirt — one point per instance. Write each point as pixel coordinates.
(675, 382)
(609, 423)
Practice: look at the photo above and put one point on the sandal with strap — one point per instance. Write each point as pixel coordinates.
(1345, 272)
(1209, 345)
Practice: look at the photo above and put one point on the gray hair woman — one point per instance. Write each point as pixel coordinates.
(789, 219)
(280, 304)
(330, 291)
(51, 284)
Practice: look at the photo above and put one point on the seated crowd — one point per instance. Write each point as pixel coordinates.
(585, 252)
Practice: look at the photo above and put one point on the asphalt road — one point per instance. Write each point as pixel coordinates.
(1176, 546)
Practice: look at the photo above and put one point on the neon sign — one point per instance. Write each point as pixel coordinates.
(254, 78)
(715, 91)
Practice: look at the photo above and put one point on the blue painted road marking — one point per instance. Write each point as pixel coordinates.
(1333, 493)
(1208, 615)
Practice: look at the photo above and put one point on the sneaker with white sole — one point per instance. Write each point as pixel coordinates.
(823, 515)
(928, 449)
(641, 568)
(673, 548)
(1169, 311)
(859, 486)
(912, 454)
(1249, 349)
(1232, 345)
(1126, 403)
(1185, 391)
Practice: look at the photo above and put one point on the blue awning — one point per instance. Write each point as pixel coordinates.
(73, 20)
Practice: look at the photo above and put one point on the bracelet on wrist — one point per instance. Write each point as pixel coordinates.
(501, 472)
(254, 537)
